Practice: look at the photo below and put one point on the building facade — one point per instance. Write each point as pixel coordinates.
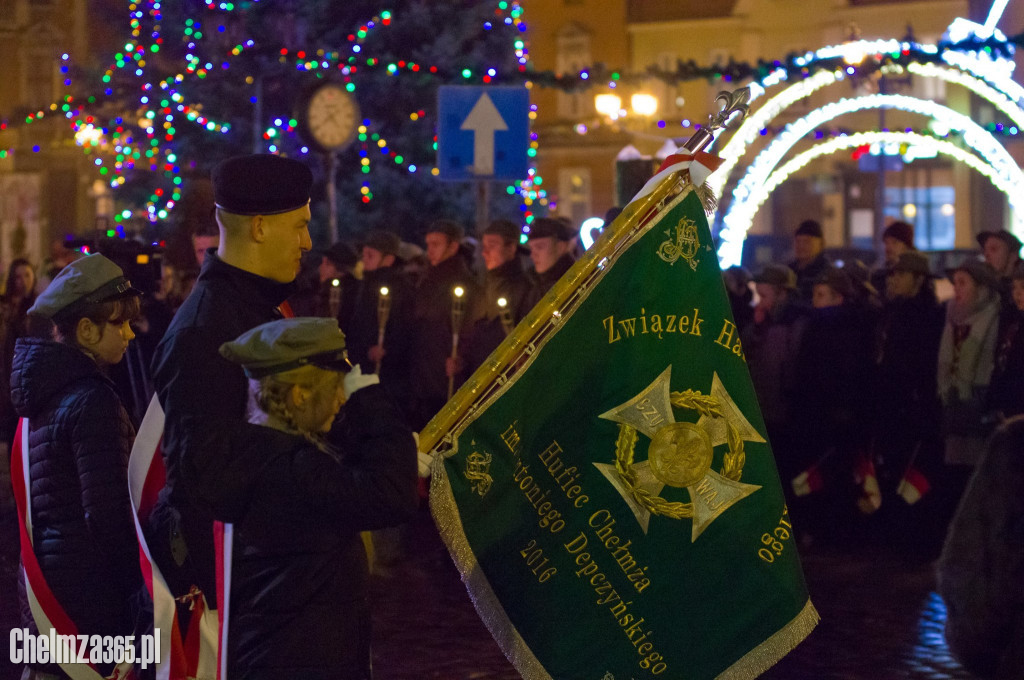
(946, 201)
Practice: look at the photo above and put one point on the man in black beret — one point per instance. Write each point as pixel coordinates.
(550, 242)
(810, 262)
(433, 301)
(384, 293)
(898, 238)
(212, 455)
(503, 295)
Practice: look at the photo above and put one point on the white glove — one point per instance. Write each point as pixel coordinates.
(423, 460)
(355, 380)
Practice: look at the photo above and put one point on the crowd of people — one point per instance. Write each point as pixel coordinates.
(878, 399)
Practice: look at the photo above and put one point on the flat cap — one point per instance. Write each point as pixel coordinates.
(777, 275)
(980, 271)
(914, 262)
(261, 184)
(285, 344)
(383, 241)
(1011, 241)
(453, 230)
(809, 228)
(546, 227)
(901, 231)
(87, 280)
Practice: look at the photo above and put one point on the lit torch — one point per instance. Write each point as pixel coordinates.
(458, 305)
(505, 314)
(334, 298)
(383, 311)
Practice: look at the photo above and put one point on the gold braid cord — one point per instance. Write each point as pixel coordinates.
(625, 448)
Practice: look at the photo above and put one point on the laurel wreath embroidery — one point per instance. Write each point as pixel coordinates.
(625, 448)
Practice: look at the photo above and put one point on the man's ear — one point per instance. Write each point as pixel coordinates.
(258, 228)
(87, 333)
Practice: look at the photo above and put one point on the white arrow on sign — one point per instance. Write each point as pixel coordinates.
(484, 120)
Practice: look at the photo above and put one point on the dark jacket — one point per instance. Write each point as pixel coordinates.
(484, 330)
(833, 372)
(299, 594)
(982, 565)
(807, 276)
(208, 444)
(362, 331)
(79, 440)
(542, 283)
(771, 348)
(905, 396)
(1006, 390)
(432, 330)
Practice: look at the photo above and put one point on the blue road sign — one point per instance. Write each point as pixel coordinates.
(484, 132)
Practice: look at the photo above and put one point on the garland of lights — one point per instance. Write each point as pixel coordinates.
(730, 251)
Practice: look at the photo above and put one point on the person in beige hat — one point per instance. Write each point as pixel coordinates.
(298, 602)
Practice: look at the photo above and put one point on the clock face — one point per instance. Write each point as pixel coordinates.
(333, 117)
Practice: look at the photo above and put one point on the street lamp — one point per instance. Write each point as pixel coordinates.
(608, 105)
(644, 104)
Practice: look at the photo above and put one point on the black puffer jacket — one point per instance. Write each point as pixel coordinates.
(79, 440)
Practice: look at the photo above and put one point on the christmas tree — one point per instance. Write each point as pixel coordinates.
(197, 81)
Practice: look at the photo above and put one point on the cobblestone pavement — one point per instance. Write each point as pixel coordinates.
(881, 620)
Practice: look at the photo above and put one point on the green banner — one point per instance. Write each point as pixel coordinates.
(611, 500)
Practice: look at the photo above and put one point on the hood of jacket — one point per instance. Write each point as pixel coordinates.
(43, 369)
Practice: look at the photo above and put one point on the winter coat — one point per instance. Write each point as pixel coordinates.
(1006, 390)
(362, 331)
(905, 395)
(771, 348)
(208, 444)
(298, 592)
(484, 330)
(982, 565)
(542, 283)
(82, 527)
(966, 359)
(808, 275)
(432, 330)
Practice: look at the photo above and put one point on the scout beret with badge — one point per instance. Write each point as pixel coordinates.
(88, 280)
(261, 184)
(384, 242)
(285, 344)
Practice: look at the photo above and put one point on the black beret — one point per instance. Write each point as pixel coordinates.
(809, 228)
(383, 241)
(342, 255)
(449, 228)
(901, 231)
(261, 184)
(508, 230)
(544, 227)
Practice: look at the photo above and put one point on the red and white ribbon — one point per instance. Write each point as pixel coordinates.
(196, 655)
(47, 612)
(700, 165)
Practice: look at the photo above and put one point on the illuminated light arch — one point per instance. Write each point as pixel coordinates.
(751, 128)
(731, 249)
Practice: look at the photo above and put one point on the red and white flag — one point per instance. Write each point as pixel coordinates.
(808, 481)
(913, 486)
(870, 493)
(197, 655)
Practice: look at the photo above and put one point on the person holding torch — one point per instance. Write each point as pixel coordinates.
(432, 328)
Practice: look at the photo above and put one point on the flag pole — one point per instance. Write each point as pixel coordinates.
(613, 240)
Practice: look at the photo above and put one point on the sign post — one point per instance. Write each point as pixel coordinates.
(483, 136)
